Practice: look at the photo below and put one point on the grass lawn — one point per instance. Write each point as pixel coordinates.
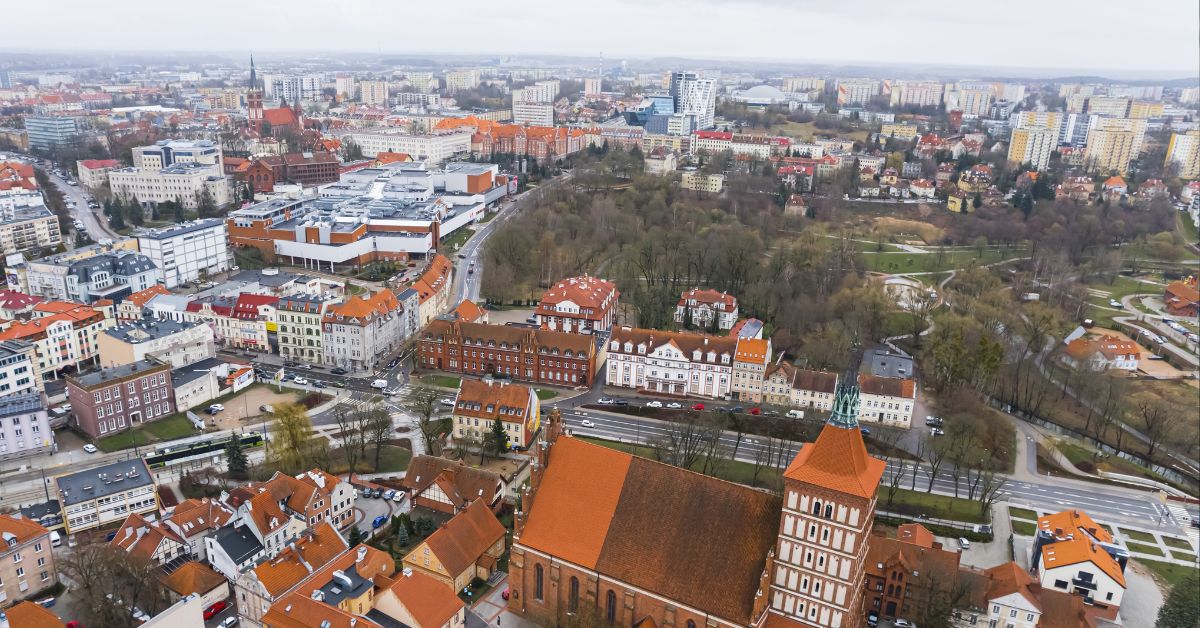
(1176, 542)
(170, 428)
(1121, 287)
(1184, 556)
(1024, 528)
(935, 262)
(740, 472)
(1140, 548)
(931, 505)
(1186, 227)
(392, 458)
(1134, 535)
(901, 323)
(1022, 513)
(544, 394)
(457, 239)
(1172, 573)
(445, 381)
(248, 259)
(807, 130)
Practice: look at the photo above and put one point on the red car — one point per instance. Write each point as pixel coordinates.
(698, 406)
(215, 609)
(755, 411)
(504, 594)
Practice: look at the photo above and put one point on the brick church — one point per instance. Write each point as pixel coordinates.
(608, 537)
(277, 119)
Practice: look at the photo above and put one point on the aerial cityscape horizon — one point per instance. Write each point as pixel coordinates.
(750, 314)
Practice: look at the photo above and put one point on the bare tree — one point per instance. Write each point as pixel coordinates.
(377, 428)
(932, 449)
(682, 442)
(422, 402)
(110, 583)
(1155, 417)
(990, 485)
(352, 437)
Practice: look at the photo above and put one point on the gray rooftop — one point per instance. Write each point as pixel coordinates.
(122, 263)
(181, 229)
(238, 542)
(21, 404)
(270, 279)
(883, 362)
(193, 372)
(110, 479)
(148, 329)
(351, 587)
(106, 375)
(408, 293)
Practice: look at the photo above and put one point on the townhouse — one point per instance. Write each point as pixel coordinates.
(258, 588)
(581, 305)
(194, 520)
(1074, 554)
(887, 400)
(434, 287)
(299, 327)
(26, 559)
(149, 541)
(358, 331)
(672, 363)
(259, 530)
(467, 547)
(479, 404)
(750, 362)
(1102, 353)
(241, 322)
(64, 335)
(704, 308)
(449, 486)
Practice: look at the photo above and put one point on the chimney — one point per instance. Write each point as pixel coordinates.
(408, 572)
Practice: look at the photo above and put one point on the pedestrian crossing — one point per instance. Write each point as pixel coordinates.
(1184, 519)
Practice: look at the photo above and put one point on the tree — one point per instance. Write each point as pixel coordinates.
(377, 427)
(402, 535)
(235, 455)
(1156, 417)
(1182, 606)
(353, 437)
(423, 403)
(496, 440)
(108, 582)
(206, 205)
(293, 431)
(354, 537)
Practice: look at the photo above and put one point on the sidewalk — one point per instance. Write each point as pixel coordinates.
(493, 609)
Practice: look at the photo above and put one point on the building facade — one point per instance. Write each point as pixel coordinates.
(170, 342)
(106, 495)
(189, 251)
(750, 362)
(704, 308)
(1183, 154)
(479, 404)
(26, 559)
(581, 305)
(300, 332)
(528, 355)
(358, 331)
(117, 399)
(671, 363)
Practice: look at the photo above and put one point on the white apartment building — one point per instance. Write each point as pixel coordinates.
(1112, 143)
(974, 100)
(26, 227)
(169, 152)
(696, 97)
(803, 84)
(18, 368)
(543, 92)
(346, 86)
(423, 82)
(592, 86)
(374, 93)
(292, 88)
(532, 114)
(183, 183)
(699, 182)
(1033, 145)
(105, 495)
(886, 400)
(672, 363)
(359, 331)
(433, 149)
(701, 307)
(459, 80)
(916, 93)
(188, 251)
(24, 425)
(856, 91)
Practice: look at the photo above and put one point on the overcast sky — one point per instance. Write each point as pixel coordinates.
(1161, 37)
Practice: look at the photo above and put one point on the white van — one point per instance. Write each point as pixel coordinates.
(795, 414)
(55, 539)
(379, 383)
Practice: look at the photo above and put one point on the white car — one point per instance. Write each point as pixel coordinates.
(586, 423)
(674, 405)
(1114, 303)
(964, 543)
(90, 448)
(654, 404)
(219, 407)
(301, 381)
(605, 401)
(902, 623)
(449, 403)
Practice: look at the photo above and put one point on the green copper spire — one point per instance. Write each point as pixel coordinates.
(846, 399)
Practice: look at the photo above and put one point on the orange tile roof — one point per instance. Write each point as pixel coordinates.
(1081, 550)
(32, 615)
(435, 277)
(1183, 291)
(193, 577)
(838, 460)
(754, 350)
(657, 527)
(300, 611)
(722, 301)
(916, 534)
(142, 297)
(310, 552)
(491, 398)
(469, 312)
(1115, 182)
(586, 292)
(1064, 523)
(461, 542)
(141, 538)
(363, 310)
(1010, 578)
(24, 529)
(386, 157)
(887, 386)
(195, 516)
(430, 602)
(266, 513)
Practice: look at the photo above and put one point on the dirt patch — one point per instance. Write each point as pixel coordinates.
(1153, 368)
(244, 408)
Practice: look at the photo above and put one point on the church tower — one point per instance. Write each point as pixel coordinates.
(254, 100)
(829, 505)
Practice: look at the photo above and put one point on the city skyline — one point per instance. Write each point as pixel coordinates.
(806, 34)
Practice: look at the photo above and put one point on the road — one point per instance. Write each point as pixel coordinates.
(95, 226)
(1103, 502)
(467, 281)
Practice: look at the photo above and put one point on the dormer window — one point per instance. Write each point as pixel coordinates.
(696, 355)
(616, 346)
(642, 349)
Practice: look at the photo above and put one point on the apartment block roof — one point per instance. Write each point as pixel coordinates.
(102, 481)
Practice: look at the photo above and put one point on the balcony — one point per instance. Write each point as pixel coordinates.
(1083, 584)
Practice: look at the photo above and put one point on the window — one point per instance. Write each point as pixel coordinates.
(573, 598)
(610, 607)
(1012, 613)
(1029, 616)
(537, 582)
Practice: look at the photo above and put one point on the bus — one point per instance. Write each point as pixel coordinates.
(171, 454)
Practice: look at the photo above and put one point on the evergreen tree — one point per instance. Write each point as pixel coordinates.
(1182, 607)
(239, 465)
(355, 537)
(402, 535)
(497, 439)
(977, 202)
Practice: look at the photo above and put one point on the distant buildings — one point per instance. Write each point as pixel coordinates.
(1183, 154)
(116, 399)
(26, 224)
(105, 275)
(695, 98)
(1112, 143)
(1035, 138)
(916, 93)
(699, 182)
(188, 251)
(461, 80)
(176, 343)
(373, 93)
(63, 335)
(856, 91)
(47, 133)
(432, 149)
(534, 114)
(93, 173)
(581, 305)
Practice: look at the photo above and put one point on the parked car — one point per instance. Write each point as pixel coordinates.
(215, 609)
(532, 320)
(605, 401)
(755, 411)
(337, 370)
(90, 448)
(964, 543)
(388, 494)
(936, 431)
(398, 497)
(218, 407)
(318, 384)
(698, 406)
(654, 404)
(338, 384)
(902, 623)
(393, 363)
(266, 407)
(378, 522)
(229, 621)
(448, 402)
(737, 409)
(675, 405)
(48, 601)
(587, 423)
(301, 381)
(795, 414)
(379, 383)
(865, 431)
(1114, 303)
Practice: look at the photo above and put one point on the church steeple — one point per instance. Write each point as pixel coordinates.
(253, 74)
(846, 401)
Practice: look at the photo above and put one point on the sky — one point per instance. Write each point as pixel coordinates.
(1159, 37)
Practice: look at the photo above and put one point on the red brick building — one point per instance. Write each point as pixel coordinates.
(120, 398)
(900, 571)
(1182, 298)
(615, 538)
(580, 305)
(529, 355)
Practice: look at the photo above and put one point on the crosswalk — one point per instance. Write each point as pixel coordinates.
(1181, 516)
